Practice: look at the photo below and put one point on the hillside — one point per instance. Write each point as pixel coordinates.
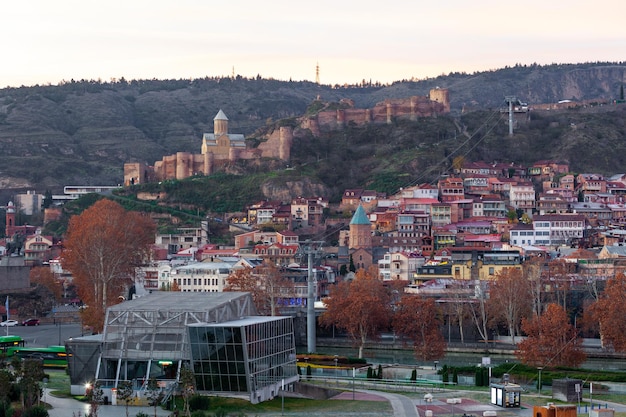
(82, 132)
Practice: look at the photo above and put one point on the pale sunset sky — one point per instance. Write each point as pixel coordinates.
(45, 42)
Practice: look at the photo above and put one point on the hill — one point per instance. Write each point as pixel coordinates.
(82, 132)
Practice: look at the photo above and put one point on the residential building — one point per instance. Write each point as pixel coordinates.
(154, 277)
(480, 263)
(559, 229)
(183, 238)
(451, 189)
(413, 224)
(522, 197)
(567, 182)
(477, 184)
(38, 248)
(591, 183)
(354, 197)
(29, 203)
(277, 253)
(307, 212)
(440, 214)
(399, 266)
(552, 204)
(422, 191)
(202, 276)
(524, 235)
(246, 241)
(490, 206)
(262, 212)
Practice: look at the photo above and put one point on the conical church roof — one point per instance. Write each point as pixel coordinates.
(360, 217)
(220, 116)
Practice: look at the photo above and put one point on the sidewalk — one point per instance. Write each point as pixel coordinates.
(69, 407)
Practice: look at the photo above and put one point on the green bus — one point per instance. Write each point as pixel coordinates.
(52, 356)
(10, 342)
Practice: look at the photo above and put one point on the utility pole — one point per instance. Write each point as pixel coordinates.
(310, 249)
(510, 100)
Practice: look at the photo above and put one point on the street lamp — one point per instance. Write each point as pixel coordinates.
(336, 375)
(539, 380)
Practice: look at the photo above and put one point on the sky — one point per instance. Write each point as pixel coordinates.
(48, 42)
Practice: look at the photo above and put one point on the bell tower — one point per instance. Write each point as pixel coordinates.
(10, 219)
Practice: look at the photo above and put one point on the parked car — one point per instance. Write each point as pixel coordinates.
(8, 323)
(31, 322)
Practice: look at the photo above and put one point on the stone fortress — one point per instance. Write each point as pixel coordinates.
(411, 108)
(218, 149)
(221, 148)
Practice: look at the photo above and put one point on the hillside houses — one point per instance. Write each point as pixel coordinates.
(468, 226)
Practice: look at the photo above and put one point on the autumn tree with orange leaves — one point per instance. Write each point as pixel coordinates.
(102, 248)
(610, 312)
(42, 275)
(419, 319)
(360, 307)
(551, 340)
(268, 287)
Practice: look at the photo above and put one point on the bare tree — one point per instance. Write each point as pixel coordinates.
(508, 296)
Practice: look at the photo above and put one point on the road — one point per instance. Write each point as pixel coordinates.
(45, 334)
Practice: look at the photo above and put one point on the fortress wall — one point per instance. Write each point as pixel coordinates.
(278, 144)
(133, 173)
(167, 168)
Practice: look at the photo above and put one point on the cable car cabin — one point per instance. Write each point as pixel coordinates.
(506, 395)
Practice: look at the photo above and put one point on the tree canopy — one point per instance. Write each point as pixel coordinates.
(103, 246)
(266, 284)
(508, 299)
(361, 307)
(419, 319)
(610, 312)
(551, 341)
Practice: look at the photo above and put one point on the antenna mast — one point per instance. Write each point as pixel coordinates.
(317, 74)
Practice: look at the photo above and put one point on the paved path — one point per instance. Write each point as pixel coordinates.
(69, 407)
(402, 406)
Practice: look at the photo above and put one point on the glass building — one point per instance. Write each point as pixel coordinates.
(255, 355)
(230, 349)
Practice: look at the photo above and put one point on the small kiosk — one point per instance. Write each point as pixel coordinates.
(505, 395)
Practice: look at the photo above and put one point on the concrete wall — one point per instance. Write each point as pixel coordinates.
(14, 274)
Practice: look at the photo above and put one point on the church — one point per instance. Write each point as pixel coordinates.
(218, 149)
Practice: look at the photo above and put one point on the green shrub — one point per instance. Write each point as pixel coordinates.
(198, 413)
(199, 402)
(36, 411)
(219, 413)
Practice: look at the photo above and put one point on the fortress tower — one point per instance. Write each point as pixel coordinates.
(441, 95)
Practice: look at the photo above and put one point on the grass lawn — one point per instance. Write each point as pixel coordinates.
(58, 382)
(294, 405)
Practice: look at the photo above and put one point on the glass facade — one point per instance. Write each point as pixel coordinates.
(254, 354)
